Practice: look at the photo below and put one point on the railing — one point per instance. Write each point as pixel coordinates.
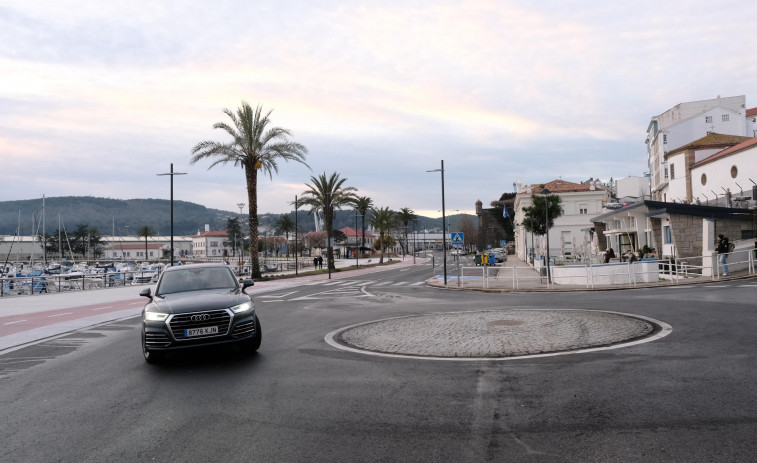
(30, 285)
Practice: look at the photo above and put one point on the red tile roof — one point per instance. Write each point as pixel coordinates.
(351, 232)
(559, 186)
(726, 152)
(751, 112)
(709, 141)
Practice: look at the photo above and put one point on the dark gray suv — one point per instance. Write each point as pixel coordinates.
(198, 305)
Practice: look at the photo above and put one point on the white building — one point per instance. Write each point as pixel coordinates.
(686, 122)
(731, 172)
(571, 232)
(682, 160)
(211, 244)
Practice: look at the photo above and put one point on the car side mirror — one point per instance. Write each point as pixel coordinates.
(246, 284)
(147, 292)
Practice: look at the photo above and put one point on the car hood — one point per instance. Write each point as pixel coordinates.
(198, 301)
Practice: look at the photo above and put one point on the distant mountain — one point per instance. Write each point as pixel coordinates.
(122, 217)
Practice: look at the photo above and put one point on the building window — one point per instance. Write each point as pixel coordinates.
(704, 179)
(664, 137)
(666, 172)
(725, 118)
(672, 172)
(707, 119)
(583, 210)
(668, 237)
(734, 171)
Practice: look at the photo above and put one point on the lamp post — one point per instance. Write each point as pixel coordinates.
(172, 173)
(357, 245)
(546, 194)
(296, 248)
(444, 223)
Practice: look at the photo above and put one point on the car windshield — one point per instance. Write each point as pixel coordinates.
(196, 279)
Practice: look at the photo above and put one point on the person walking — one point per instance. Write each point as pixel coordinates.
(315, 263)
(723, 250)
(320, 262)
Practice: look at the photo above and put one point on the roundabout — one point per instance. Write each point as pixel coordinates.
(512, 333)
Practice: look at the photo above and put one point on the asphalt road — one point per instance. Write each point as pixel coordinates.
(689, 397)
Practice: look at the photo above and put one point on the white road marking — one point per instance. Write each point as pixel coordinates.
(59, 315)
(103, 308)
(17, 321)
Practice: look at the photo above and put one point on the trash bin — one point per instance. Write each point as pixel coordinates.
(477, 259)
(491, 259)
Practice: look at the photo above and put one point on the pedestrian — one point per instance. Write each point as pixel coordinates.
(315, 262)
(723, 250)
(609, 254)
(320, 262)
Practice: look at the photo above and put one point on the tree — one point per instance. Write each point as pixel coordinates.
(234, 232)
(405, 216)
(382, 220)
(469, 230)
(363, 204)
(285, 225)
(254, 147)
(535, 220)
(145, 232)
(325, 195)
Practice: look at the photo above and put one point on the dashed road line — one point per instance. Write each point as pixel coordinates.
(12, 323)
(103, 308)
(59, 314)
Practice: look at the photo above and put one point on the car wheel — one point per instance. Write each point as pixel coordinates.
(252, 345)
(150, 356)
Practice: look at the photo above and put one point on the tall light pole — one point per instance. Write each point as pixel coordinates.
(444, 223)
(546, 194)
(172, 173)
(296, 248)
(357, 245)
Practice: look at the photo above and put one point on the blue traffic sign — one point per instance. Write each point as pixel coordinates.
(457, 238)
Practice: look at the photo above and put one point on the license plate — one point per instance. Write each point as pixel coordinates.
(200, 331)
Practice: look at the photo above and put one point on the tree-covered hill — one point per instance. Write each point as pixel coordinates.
(122, 217)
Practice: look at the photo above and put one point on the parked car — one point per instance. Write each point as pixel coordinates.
(198, 305)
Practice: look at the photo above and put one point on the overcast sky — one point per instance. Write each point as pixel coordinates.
(96, 98)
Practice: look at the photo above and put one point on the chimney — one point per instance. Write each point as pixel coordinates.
(207, 227)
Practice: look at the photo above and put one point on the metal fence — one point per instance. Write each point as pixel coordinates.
(42, 284)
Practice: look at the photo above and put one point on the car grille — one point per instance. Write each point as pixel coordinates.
(181, 322)
(243, 329)
(156, 339)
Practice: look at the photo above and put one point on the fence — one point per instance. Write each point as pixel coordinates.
(590, 276)
(12, 286)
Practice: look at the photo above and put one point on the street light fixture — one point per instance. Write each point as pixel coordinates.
(444, 223)
(546, 194)
(172, 173)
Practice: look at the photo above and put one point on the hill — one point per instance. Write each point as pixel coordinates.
(122, 217)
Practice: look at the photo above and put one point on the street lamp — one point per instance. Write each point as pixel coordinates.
(546, 194)
(444, 223)
(296, 248)
(357, 245)
(172, 173)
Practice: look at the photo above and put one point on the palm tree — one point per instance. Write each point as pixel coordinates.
(363, 204)
(325, 195)
(145, 232)
(382, 220)
(254, 147)
(285, 224)
(406, 215)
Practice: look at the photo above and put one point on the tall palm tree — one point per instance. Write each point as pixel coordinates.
(145, 232)
(285, 224)
(363, 204)
(406, 215)
(254, 146)
(324, 195)
(382, 220)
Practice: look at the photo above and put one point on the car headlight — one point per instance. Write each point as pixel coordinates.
(155, 316)
(247, 306)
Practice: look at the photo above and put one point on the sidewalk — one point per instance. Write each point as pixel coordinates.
(30, 318)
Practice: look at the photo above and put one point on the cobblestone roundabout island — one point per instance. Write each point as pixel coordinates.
(494, 333)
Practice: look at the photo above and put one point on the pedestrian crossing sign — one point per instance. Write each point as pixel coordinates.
(457, 238)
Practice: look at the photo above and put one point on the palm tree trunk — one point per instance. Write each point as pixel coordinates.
(383, 246)
(252, 199)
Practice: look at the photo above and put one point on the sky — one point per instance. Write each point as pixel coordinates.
(97, 98)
